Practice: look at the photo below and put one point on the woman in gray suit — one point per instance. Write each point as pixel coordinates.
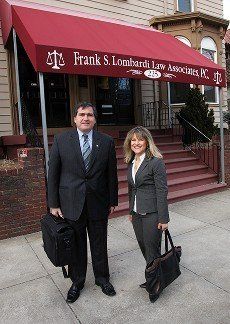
(147, 193)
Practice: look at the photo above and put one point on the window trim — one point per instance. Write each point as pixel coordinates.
(191, 3)
(215, 61)
(187, 42)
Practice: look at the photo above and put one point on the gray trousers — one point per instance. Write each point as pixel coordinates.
(148, 235)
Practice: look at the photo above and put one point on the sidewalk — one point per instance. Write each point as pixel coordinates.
(33, 291)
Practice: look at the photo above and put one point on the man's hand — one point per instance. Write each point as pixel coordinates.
(111, 209)
(56, 212)
(162, 227)
(130, 218)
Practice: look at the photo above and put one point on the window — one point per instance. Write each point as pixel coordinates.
(209, 50)
(185, 5)
(178, 91)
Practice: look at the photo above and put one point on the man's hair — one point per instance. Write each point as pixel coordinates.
(84, 105)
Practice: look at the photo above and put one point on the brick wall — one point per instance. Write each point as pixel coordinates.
(22, 193)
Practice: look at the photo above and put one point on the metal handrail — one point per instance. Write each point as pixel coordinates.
(192, 126)
(197, 142)
(154, 115)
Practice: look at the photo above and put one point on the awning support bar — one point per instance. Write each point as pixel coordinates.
(17, 82)
(44, 124)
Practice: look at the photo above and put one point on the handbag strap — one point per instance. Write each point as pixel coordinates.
(168, 238)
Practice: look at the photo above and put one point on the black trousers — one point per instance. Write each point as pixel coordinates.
(97, 233)
(148, 235)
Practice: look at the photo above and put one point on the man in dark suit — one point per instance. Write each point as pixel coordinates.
(83, 188)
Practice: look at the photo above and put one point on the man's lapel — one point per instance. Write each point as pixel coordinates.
(76, 143)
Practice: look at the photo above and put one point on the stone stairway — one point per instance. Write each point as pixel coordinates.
(187, 176)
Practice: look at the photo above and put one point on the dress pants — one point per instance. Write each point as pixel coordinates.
(148, 235)
(97, 233)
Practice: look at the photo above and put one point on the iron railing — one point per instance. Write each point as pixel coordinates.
(155, 114)
(29, 129)
(198, 143)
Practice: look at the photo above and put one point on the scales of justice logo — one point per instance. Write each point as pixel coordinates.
(55, 59)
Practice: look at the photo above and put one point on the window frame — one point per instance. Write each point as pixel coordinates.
(192, 4)
(187, 42)
(213, 48)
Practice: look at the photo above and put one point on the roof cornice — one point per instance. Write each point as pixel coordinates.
(181, 16)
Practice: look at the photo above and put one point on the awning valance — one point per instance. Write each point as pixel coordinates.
(72, 43)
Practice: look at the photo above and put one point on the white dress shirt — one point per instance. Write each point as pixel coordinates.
(133, 175)
(81, 138)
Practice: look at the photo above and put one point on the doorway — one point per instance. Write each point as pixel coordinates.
(57, 97)
(114, 100)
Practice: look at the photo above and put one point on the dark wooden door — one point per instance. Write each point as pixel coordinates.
(114, 101)
(57, 100)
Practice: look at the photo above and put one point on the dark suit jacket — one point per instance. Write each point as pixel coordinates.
(150, 188)
(69, 185)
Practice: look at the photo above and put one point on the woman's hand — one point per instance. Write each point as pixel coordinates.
(162, 227)
(130, 217)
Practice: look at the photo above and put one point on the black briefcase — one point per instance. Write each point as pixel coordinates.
(59, 241)
(164, 270)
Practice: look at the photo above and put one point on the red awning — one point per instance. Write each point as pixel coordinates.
(74, 43)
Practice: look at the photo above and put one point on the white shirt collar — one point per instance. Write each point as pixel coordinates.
(142, 157)
(80, 133)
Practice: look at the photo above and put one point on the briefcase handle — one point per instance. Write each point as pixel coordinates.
(57, 219)
(168, 237)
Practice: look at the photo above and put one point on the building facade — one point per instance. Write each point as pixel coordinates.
(119, 101)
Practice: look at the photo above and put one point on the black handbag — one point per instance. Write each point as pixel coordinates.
(164, 270)
(58, 241)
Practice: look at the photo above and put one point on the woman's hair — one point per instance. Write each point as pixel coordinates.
(141, 133)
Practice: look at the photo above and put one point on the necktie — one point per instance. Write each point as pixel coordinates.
(86, 151)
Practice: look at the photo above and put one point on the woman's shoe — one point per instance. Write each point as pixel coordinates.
(143, 285)
(153, 297)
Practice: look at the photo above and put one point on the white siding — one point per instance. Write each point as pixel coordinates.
(134, 11)
(5, 111)
(211, 7)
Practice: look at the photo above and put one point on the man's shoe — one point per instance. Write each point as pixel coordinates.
(143, 285)
(107, 288)
(74, 293)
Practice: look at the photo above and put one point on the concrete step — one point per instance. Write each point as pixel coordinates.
(191, 181)
(178, 184)
(179, 195)
(195, 192)
(174, 154)
(121, 210)
(122, 181)
(187, 171)
(170, 146)
(181, 162)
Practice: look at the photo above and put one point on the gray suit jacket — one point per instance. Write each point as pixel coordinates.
(150, 188)
(70, 185)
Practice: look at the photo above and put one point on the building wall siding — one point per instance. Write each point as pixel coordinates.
(5, 111)
(135, 11)
(212, 7)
